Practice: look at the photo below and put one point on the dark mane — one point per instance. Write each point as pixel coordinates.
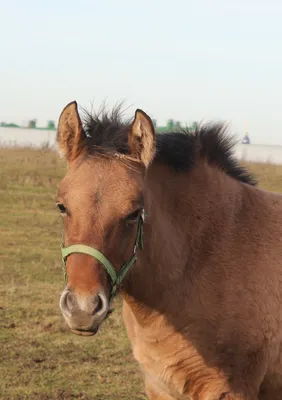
(180, 150)
(107, 133)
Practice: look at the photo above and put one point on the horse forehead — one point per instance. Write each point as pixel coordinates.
(98, 179)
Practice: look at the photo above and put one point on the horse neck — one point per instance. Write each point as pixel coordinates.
(187, 212)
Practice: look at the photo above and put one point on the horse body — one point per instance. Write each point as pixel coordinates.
(214, 329)
(202, 304)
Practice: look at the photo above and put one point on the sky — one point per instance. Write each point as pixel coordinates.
(201, 60)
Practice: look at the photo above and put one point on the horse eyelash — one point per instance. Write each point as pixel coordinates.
(133, 216)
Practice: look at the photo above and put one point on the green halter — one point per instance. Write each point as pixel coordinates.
(116, 278)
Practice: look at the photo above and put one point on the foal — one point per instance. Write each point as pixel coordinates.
(202, 303)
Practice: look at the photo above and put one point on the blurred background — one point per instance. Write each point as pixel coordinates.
(182, 62)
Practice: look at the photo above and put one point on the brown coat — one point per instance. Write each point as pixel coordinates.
(203, 303)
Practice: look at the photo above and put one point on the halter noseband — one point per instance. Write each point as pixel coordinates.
(116, 278)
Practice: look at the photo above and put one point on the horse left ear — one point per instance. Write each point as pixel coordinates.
(142, 138)
(70, 135)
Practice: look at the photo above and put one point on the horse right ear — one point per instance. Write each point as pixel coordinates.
(70, 135)
(142, 138)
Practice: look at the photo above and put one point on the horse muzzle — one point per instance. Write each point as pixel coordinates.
(84, 313)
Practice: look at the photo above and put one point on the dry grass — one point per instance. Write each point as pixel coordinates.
(39, 358)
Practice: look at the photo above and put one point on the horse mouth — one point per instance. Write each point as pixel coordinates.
(90, 332)
(85, 333)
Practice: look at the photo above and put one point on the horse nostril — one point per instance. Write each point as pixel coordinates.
(71, 303)
(100, 304)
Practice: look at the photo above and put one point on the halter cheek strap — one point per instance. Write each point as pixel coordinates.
(116, 278)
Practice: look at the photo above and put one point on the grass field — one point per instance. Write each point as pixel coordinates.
(39, 357)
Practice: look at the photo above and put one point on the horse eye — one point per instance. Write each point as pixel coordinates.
(133, 216)
(61, 208)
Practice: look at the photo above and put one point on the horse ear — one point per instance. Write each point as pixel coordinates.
(70, 135)
(141, 138)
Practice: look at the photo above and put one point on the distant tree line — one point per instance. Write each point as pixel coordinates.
(173, 126)
(169, 127)
(5, 125)
(32, 124)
